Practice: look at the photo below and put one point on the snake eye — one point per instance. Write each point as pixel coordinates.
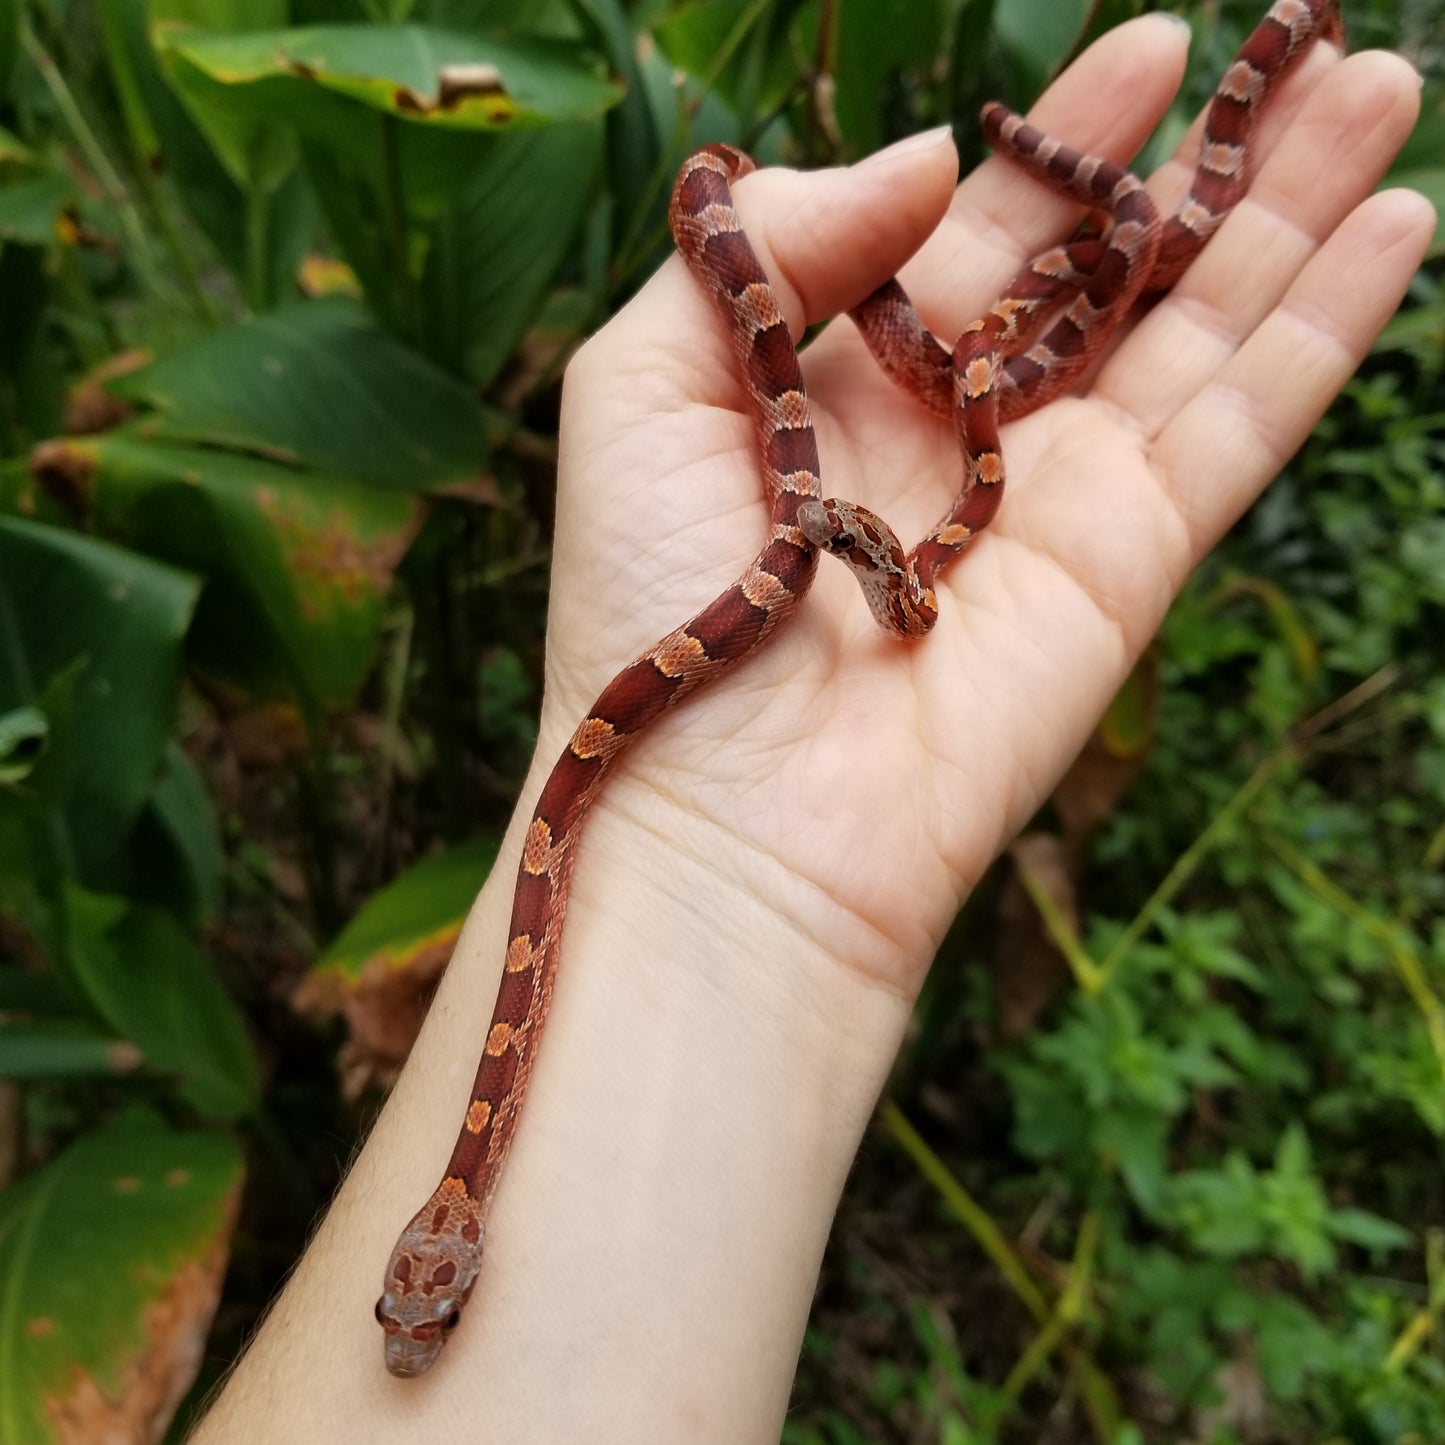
(377, 1311)
(843, 542)
(451, 1321)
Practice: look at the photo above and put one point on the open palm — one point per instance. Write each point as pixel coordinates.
(862, 784)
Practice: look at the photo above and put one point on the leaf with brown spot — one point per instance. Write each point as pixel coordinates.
(426, 74)
(297, 564)
(109, 1292)
(381, 970)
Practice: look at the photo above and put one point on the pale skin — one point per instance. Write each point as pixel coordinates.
(761, 890)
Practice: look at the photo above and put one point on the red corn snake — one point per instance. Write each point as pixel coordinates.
(1001, 368)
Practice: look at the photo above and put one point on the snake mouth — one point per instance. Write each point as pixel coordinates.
(406, 1360)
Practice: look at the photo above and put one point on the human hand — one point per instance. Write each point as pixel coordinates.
(863, 785)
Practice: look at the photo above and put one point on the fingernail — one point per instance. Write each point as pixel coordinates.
(924, 140)
(1174, 19)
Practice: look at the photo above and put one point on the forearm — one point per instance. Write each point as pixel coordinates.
(705, 1077)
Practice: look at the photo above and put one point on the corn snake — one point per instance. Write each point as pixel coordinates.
(1003, 366)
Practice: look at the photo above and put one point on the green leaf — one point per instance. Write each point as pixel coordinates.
(256, 147)
(318, 384)
(112, 1257)
(874, 44)
(1039, 33)
(1370, 1231)
(421, 74)
(298, 563)
(1293, 1206)
(1291, 1344)
(522, 209)
(31, 210)
(1137, 1140)
(1292, 1154)
(380, 970)
(61, 1049)
(419, 913)
(742, 56)
(1219, 1209)
(114, 622)
(150, 982)
(182, 841)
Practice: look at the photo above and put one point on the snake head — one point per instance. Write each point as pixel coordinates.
(821, 524)
(430, 1279)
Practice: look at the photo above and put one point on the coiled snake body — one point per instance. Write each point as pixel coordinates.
(1003, 366)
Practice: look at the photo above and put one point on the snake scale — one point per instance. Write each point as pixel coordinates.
(1031, 346)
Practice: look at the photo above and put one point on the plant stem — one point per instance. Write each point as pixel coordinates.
(1188, 862)
(970, 1213)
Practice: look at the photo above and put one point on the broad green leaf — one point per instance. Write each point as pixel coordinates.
(112, 1257)
(298, 563)
(418, 914)
(37, 854)
(522, 210)
(448, 78)
(30, 210)
(319, 384)
(114, 622)
(256, 146)
(61, 1049)
(875, 43)
(152, 984)
(451, 79)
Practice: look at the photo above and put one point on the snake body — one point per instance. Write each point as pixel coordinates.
(1000, 368)
(997, 371)
(434, 1265)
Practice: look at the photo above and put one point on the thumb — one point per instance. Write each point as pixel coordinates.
(825, 238)
(828, 238)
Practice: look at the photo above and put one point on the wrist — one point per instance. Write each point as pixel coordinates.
(706, 1072)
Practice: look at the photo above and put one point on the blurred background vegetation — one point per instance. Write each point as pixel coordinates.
(286, 292)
